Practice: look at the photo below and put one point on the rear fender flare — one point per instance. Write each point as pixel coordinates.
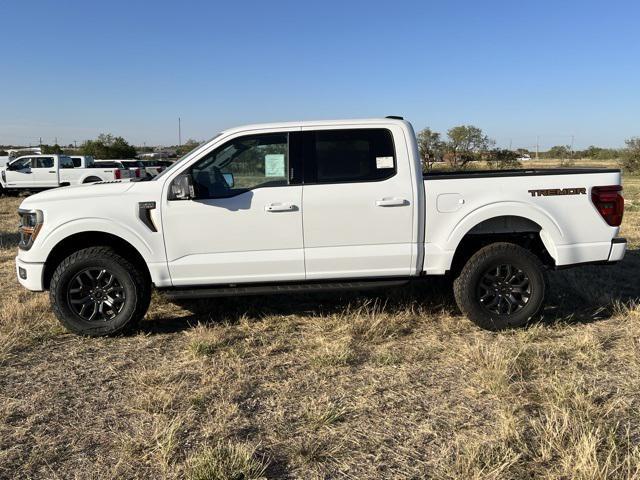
(551, 233)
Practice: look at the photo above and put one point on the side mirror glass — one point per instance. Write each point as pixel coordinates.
(228, 177)
(182, 187)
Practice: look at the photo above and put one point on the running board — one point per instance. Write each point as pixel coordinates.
(269, 289)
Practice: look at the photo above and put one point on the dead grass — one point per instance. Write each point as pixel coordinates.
(389, 384)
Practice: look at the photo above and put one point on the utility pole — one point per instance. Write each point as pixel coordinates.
(40, 141)
(56, 142)
(75, 144)
(538, 147)
(510, 143)
(572, 145)
(179, 132)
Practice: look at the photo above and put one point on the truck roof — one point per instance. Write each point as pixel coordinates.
(318, 123)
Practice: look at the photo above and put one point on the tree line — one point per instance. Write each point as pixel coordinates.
(467, 143)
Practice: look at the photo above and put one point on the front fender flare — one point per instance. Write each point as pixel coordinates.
(92, 224)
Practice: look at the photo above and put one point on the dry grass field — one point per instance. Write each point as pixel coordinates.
(393, 384)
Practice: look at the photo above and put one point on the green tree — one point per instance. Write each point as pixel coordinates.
(631, 155)
(107, 146)
(431, 147)
(466, 143)
(187, 147)
(503, 158)
(559, 151)
(52, 149)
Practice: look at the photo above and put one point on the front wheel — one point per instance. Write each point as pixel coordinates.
(502, 285)
(96, 292)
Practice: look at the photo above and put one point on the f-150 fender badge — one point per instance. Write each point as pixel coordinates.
(552, 192)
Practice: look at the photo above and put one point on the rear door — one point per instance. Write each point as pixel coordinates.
(357, 203)
(45, 172)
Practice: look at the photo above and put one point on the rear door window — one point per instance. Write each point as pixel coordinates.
(349, 155)
(43, 162)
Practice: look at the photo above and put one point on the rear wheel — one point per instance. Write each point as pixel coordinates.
(95, 292)
(502, 285)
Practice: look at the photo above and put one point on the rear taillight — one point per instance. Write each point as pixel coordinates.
(137, 172)
(609, 203)
(118, 174)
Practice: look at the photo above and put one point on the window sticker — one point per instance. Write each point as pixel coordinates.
(274, 165)
(384, 162)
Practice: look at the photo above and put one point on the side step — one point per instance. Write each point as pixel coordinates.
(274, 288)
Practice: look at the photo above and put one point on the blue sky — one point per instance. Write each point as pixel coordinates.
(517, 69)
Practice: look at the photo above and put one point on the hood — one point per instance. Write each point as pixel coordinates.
(78, 192)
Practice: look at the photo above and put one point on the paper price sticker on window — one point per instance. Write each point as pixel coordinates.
(274, 165)
(384, 162)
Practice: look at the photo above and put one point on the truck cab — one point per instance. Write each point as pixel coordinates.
(35, 171)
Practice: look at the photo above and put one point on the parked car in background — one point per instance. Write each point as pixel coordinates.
(82, 161)
(39, 172)
(87, 161)
(136, 167)
(326, 205)
(154, 167)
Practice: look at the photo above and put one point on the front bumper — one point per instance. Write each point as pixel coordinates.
(618, 247)
(30, 275)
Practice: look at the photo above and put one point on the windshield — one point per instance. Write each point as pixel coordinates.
(180, 160)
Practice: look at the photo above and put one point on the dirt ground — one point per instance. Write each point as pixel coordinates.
(391, 384)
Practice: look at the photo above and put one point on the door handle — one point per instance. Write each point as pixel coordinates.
(280, 207)
(392, 202)
(52, 171)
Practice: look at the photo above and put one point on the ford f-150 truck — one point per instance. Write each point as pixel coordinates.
(40, 172)
(296, 207)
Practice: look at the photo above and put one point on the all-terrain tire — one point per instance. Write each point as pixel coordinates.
(476, 302)
(135, 286)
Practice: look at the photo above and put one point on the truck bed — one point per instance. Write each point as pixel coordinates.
(516, 172)
(554, 204)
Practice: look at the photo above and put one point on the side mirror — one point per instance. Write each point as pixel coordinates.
(228, 177)
(182, 187)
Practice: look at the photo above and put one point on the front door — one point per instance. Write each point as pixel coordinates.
(245, 222)
(20, 174)
(358, 204)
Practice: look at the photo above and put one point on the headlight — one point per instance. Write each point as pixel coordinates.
(30, 225)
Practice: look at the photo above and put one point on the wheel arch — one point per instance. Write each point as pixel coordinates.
(91, 179)
(517, 229)
(87, 239)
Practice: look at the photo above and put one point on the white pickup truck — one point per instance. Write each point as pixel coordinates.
(280, 208)
(40, 172)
